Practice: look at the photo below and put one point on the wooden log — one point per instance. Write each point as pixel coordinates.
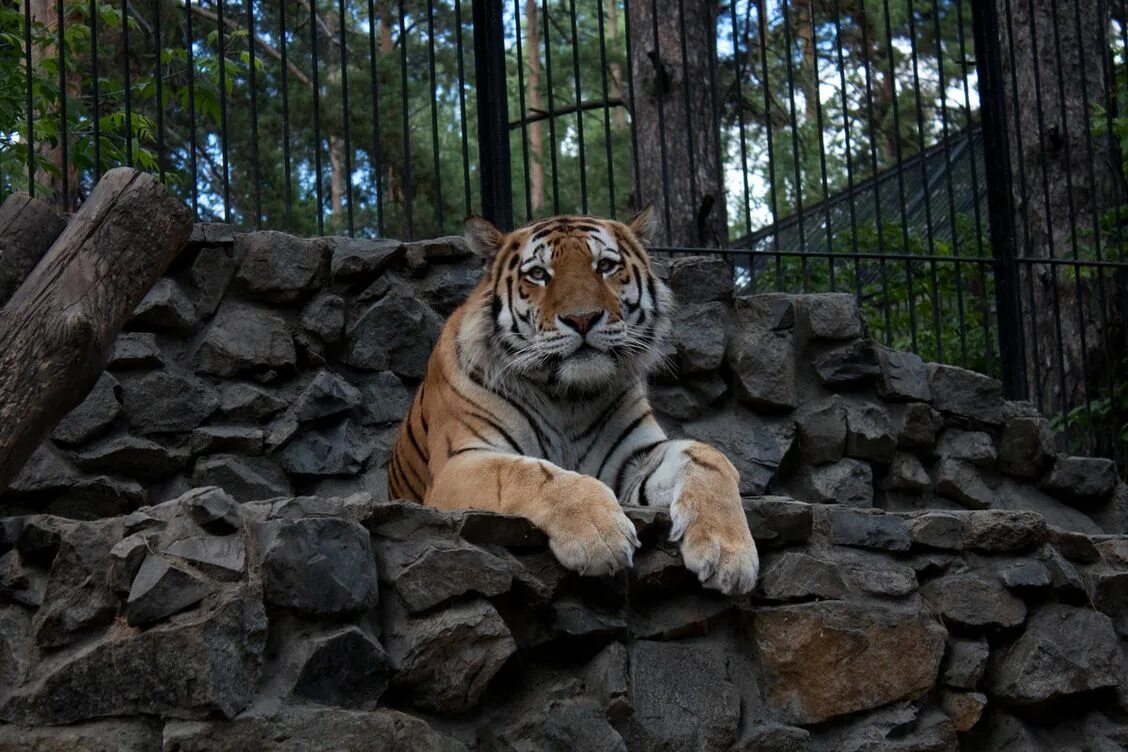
(28, 227)
(57, 329)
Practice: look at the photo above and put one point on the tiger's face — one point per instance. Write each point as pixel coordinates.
(573, 301)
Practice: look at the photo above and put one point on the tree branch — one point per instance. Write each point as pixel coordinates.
(536, 115)
(294, 70)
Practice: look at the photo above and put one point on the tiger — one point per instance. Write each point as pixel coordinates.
(534, 403)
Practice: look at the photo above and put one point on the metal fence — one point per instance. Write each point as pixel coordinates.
(956, 165)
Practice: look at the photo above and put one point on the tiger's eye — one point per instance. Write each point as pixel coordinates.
(606, 266)
(537, 274)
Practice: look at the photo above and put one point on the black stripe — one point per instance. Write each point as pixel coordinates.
(410, 475)
(415, 443)
(509, 302)
(621, 438)
(631, 458)
(602, 420)
(404, 482)
(607, 419)
(464, 450)
(494, 425)
(476, 378)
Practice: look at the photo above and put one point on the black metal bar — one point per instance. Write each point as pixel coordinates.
(639, 203)
(656, 58)
(126, 85)
(466, 191)
(765, 84)
(737, 55)
(493, 113)
(313, 40)
(64, 128)
(409, 203)
(159, 89)
(377, 153)
(579, 111)
(849, 147)
(285, 85)
(192, 111)
(434, 113)
(1000, 202)
(346, 115)
(690, 145)
(606, 113)
(546, 35)
(28, 104)
(223, 131)
(94, 89)
(252, 80)
(527, 181)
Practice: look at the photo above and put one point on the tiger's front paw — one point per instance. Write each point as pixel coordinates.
(722, 559)
(587, 530)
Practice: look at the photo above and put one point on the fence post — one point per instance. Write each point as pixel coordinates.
(1000, 197)
(493, 113)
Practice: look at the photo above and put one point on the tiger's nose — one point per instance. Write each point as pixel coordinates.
(582, 322)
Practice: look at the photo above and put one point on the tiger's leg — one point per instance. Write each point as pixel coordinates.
(586, 527)
(701, 488)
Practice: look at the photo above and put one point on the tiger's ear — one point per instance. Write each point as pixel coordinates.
(641, 225)
(483, 238)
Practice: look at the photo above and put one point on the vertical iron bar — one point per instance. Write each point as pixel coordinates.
(639, 203)
(822, 148)
(688, 111)
(346, 114)
(94, 85)
(795, 168)
(849, 149)
(738, 75)
(160, 90)
(466, 192)
(579, 110)
(126, 85)
(527, 180)
(1000, 201)
(256, 168)
(409, 206)
(316, 116)
(29, 104)
(657, 58)
(63, 100)
(192, 111)
(606, 113)
(434, 113)
(547, 34)
(762, 24)
(286, 114)
(493, 112)
(879, 225)
(223, 142)
(377, 161)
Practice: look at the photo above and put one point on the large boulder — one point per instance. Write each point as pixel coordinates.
(280, 268)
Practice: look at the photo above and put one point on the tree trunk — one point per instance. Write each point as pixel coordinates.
(533, 103)
(56, 331)
(679, 152)
(28, 226)
(1064, 177)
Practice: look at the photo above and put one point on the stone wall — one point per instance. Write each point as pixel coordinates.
(936, 576)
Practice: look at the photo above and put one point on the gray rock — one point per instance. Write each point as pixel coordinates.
(877, 531)
(683, 698)
(906, 474)
(956, 391)
(211, 273)
(801, 576)
(1064, 651)
(943, 530)
(445, 287)
(384, 399)
(756, 446)
(166, 307)
(774, 737)
(575, 620)
(135, 350)
(362, 259)
(167, 402)
(869, 432)
(77, 596)
(245, 478)
(700, 279)
(95, 736)
(847, 481)
(21, 583)
(325, 396)
(963, 708)
(974, 599)
(489, 529)
(132, 455)
(212, 509)
(960, 482)
(1081, 480)
(1004, 531)
(230, 439)
(280, 268)
(343, 667)
(1027, 578)
(1075, 546)
(221, 557)
(395, 333)
(557, 719)
(160, 590)
(15, 649)
(675, 402)
(833, 316)
(340, 450)
(822, 431)
(427, 572)
(202, 666)
(851, 365)
(446, 659)
(45, 470)
(295, 728)
(1026, 447)
(242, 401)
(442, 250)
(965, 663)
(243, 339)
(763, 364)
(1109, 587)
(1015, 495)
(699, 336)
(324, 318)
(975, 447)
(125, 559)
(1064, 579)
(777, 522)
(95, 413)
(876, 575)
(903, 376)
(318, 565)
(819, 659)
(918, 426)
